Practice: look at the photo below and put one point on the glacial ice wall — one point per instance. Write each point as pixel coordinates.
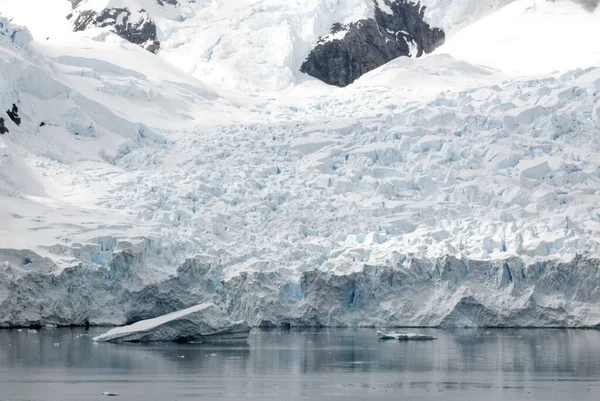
(443, 292)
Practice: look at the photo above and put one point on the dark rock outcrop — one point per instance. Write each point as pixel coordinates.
(171, 2)
(3, 129)
(339, 59)
(13, 114)
(141, 32)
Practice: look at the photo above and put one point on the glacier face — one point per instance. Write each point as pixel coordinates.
(431, 192)
(445, 292)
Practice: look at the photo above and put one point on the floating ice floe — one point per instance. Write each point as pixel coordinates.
(404, 336)
(201, 323)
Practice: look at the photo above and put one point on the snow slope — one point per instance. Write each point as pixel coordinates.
(542, 37)
(78, 115)
(253, 45)
(431, 192)
(258, 45)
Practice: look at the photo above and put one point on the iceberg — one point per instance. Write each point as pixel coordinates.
(201, 323)
(404, 336)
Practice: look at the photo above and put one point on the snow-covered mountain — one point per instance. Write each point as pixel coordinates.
(132, 20)
(457, 188)
(397, 29)
(265, 44)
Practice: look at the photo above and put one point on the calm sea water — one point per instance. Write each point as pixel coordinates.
(64, 364)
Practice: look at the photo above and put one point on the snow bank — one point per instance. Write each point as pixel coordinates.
(201, 323)
(429, 74)
(531, 36)
(452, 16)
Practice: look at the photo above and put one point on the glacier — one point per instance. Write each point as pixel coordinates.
(444, 191)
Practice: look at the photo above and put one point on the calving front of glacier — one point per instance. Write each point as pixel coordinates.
(443, 292)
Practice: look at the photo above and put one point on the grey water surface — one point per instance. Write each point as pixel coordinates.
(310, 364)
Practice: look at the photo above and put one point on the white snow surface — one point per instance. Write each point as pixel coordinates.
(542, 37)
(141, 166)
(249, 45)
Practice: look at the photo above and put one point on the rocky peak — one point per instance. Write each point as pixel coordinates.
(397, 29)
(129, 19)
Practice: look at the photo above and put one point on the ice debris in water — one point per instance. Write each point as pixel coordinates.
(201, 323)
(404, 336)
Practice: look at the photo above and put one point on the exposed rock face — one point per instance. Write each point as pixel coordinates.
(13, 114)
(201, 323)
(171, 2)
(359, 47)
(136, 27)
(3, 129)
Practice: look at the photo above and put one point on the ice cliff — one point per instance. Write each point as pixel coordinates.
(445, 292)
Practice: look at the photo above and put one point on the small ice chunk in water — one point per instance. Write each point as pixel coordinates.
(201, 323)
(404, 336)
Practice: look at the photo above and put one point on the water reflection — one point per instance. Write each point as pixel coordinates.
(296, 364)
(541, 351)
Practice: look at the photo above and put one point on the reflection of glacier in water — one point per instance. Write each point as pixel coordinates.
(306, 364)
